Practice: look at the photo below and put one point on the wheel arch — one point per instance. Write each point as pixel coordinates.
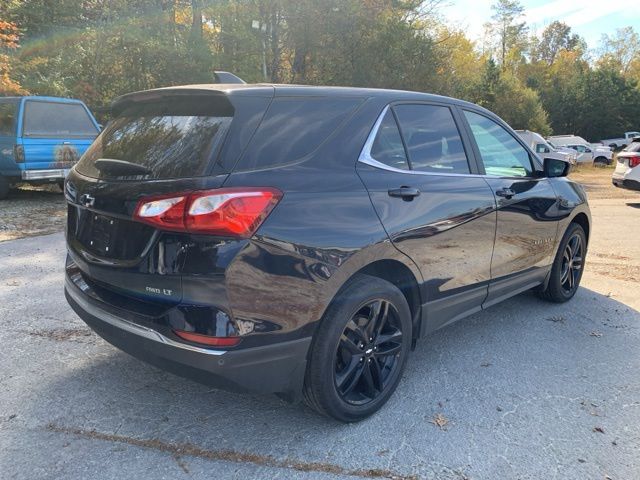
(582, 220)
(400, 275)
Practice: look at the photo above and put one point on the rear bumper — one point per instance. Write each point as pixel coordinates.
(626, 183)
(48, 174)
(277, 368)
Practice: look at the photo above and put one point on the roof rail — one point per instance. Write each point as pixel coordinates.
(226, 77)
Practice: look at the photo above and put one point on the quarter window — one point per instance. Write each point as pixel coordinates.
(432, 138)
(8, 117)
(387, 147)
(501, 154)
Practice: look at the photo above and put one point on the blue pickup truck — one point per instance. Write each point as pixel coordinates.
(41, 138)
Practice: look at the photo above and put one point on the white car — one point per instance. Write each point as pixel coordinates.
(627, 172)
(538, 144)
(587, 152)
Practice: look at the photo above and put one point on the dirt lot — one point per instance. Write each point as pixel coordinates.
(31, 211)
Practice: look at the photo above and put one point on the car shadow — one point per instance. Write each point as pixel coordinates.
(505, 383)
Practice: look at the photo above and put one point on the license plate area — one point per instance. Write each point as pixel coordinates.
(107, 237)
(97, 232)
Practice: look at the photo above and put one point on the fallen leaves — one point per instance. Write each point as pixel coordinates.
(598, 429)
(596, 334)
(440, 421)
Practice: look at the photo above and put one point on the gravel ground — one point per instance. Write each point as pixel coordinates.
(31, 211)
(523, 390)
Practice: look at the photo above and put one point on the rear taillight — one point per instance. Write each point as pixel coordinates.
(235, 212)
(634, 161)
(18, 153)
(207, 339)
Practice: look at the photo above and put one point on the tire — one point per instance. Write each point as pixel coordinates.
(565, 275)
(347, 379)
(5, 186)
(601, 160)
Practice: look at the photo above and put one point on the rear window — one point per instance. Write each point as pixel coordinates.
(175, 138)
(57, 120)
(632, 147)
(295, 127)
(8, 112)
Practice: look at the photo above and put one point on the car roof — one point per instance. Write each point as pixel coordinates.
(43, 98)
(285, 90)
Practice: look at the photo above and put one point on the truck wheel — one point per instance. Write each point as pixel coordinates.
(4, 187)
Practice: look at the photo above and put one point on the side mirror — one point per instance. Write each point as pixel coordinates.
(554, 167)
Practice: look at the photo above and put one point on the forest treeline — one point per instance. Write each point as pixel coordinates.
(549, 82)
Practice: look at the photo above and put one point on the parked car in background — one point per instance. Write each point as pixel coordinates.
(627, 172)
(586, 152)
(539, 145)
(41, 138)
(620, 142)
(300, 240)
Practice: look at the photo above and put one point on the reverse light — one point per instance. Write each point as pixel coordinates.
(634, 161)
(236, 212)
(207, 339)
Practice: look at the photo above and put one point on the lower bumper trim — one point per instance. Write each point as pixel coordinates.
(274, 368)
(58, 173)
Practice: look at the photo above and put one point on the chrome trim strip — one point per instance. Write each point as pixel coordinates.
(133, 328)
(366, 158)
(45, 174)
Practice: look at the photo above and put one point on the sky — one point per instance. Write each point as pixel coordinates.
(588, 18)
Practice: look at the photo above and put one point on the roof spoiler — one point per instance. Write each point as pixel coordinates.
(226, 77)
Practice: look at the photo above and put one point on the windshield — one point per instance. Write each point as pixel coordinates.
(175, 139)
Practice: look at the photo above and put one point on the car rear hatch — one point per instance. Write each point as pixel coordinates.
(54, 145)
(160, 143)
(628, 158)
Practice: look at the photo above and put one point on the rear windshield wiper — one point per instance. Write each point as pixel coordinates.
(120, 168)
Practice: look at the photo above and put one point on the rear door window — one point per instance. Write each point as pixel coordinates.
(295, 127)
(432, 139)
(387, 147)
(8, 112)
(175, 138)
(57, 120)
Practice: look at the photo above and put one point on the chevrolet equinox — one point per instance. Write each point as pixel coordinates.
(300, 240)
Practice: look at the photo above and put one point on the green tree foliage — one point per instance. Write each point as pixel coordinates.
(99, 49)
(510, 31)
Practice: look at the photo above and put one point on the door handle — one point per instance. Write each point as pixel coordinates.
(406, 193)
(505, 192)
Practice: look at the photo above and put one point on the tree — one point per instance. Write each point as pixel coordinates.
(504, 94)
(511, 32)
(556, 37)
(621, 50)
(8, 41)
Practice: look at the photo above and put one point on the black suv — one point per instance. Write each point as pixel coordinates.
(300, 240)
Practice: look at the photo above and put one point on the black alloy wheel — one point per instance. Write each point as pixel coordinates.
(568, 266)
(359, 350)
(572, 262)
(367, 355)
